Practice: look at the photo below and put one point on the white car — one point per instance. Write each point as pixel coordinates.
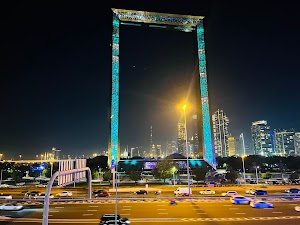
(207, 192)
(42, 196)
(229, 193)
(5, 196)
(11, 207)
(41, 185)
(239, 199)
(250, 191)
(261, 204)
(297, 208)
(65, 194)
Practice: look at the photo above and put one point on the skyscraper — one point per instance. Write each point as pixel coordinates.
(220, 132)
(181, 138)
(284, 143)
(297, 143)
(231, 146)
(168, 149)
(195, 141)
(261, 138)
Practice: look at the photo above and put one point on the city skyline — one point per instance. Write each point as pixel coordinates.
(57, 77)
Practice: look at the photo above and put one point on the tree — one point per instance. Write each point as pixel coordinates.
(134, 175)
(16, 175)
(266, 175)
(163, 169)
(200, 173)
(107, 175)
(294, 176)
(232, 176)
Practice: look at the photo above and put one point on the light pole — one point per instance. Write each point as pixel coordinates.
(1, 176)
(187, 149)
(51, 163)
(256, 167)
(243, 160)
(20, 157)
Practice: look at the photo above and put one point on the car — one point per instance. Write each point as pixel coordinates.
(111, 218)
(250, 191)
(32, 194)
(239, 199)
(97, 191)
(261, 204)
(11, 207)
(65, 194)
(229, 193)
(207, 192)
(297, 208)
(260, 192)
(5, 196)
(102, 193)
(41, 185)
(293, 191)
(141, 192)
(42, 196)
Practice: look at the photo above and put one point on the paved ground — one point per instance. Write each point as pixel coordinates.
(213, 213)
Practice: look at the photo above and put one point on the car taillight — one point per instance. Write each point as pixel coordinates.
(100, 221)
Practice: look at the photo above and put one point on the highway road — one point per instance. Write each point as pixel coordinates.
(158, 212)
(79, 192)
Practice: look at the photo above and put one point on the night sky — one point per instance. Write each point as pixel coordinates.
(56, 68)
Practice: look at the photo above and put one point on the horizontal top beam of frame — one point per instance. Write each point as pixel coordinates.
(157, 18)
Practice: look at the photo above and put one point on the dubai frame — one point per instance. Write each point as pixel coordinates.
(185, 23)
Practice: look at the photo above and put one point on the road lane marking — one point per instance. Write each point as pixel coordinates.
(50, 215)
(92, 210)
(87, 214)
(198, 209)
(227, 205)
(54, 211)
(163, 213)
(233, 208)
(93, 206)
(127, 206)
(201, 213)
(123, 214)
(276, 212)
(293, 204)
(59, 207)
(161, 209)
(160, 205)
(240, 213)
(125, 209)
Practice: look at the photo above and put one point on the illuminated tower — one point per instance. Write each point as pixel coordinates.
(151, 140)
(284, 143)
(231, 146)
(181, 138)
(220, 130)
(261, 138)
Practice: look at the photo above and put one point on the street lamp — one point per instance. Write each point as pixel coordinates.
(243, 160)
(1, 156)
(20, 157)
(187, 149)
